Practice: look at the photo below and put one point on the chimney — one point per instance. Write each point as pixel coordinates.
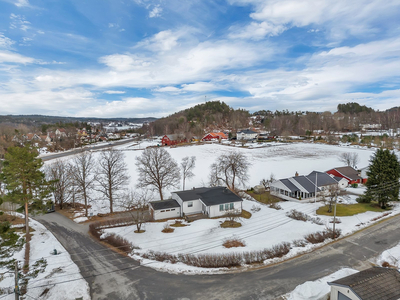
(296, 174)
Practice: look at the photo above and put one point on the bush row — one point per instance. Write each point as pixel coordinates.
(298, 215)
(321, 236)
(114, 223)
(220, 260)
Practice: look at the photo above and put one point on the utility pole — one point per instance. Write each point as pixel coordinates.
(16, 290)
(334, 217)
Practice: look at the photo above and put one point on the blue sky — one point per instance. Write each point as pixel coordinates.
(140, 58)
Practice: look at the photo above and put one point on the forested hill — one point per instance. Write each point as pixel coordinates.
(41, 119)
(206, 116)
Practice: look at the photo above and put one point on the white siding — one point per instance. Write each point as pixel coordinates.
(195, 209)
(345, 291)
(343, 183)
(214, 210)
(167, 213)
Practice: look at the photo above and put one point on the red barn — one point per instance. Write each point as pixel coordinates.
(349, 173)
(214, 136)
(172, 139)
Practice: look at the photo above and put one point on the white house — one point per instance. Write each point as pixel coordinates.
(371, 284)
(213, 201)
(164, 209)
(247, 134)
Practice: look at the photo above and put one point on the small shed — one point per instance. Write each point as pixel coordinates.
(164, 209)
(172, 139)
(371, 284)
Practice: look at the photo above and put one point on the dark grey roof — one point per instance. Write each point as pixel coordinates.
(308, 185)
(247, 131)
(210, 196)
(374, 283)
(337, 178)
(290, 185)
(348, 172)
(164, 204)
(322, 179)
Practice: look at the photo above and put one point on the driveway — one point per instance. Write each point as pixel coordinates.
(114, 276)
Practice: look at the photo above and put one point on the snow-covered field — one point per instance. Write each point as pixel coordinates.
(282, 160)
(60, 273)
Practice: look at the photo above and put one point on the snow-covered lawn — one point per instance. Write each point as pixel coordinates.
(266, 228)
(60, 273)
(391, 256)
(282, 160)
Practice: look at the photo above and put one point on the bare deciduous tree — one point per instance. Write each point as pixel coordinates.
(230, 169)
(82, 176)
(330, 196)
(59, 176)
(157, 169)
(139, 204)
(267, 182)
(349, 158)
(112, 175)
(187, 165)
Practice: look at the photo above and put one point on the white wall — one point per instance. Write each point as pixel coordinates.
(167, 213)
(214, 210)
(345, 291)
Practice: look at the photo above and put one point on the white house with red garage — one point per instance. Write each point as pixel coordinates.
(214, 136)
(349, 173)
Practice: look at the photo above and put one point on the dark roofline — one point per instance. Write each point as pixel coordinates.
(164, 204)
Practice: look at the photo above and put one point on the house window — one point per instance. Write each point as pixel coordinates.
(231, 206)
(227, 206)
(168, 210)
(163, 211)
(190, 204)
(172, 209)
(221, 207)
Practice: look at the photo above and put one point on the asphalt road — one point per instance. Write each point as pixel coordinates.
(93, 148)
(100, 265)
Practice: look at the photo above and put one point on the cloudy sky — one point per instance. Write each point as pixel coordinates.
(140, 58)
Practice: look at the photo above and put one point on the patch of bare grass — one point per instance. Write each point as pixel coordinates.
(245, 214)
(178, 223)
(231, 224)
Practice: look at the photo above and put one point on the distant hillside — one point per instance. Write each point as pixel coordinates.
(200, 118)
(353, 108)
(40, 119)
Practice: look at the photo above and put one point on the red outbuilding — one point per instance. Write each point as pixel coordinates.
(172, 139)
(349, 173)
(214, 136)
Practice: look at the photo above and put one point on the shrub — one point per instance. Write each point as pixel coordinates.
(321, 236)
(255, 208)
(337, 221)
(354, 185)
(298, 215)
(167, 228)
(300, 243)
(275, 206)
(119, 242)
(233, 242)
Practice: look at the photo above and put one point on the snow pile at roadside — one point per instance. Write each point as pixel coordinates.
(318, 289)
(391, 256)
(60, 273)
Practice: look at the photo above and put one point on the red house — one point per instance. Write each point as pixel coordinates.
(172, 139)
(349, 173)
(214, 136)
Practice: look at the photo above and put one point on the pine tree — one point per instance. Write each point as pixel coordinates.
(24, 182)
(383, 178)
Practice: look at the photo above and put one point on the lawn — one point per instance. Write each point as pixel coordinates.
(265, 197)
(345, 210)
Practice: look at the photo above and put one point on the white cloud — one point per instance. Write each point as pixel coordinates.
(22, 3)
(5, 42)
(19, 22)
(110, 92)
(156, 11)
(257, 31)
(162, 41)
(11, 57)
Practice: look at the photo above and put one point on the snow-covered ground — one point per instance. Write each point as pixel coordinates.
(266, 228)
(318, 289)
(391, 256)
(282, 160)
(60, 273)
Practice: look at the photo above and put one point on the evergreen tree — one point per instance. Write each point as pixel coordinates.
(383, 178)
(25, 183)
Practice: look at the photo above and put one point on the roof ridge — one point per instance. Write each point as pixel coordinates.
(372, 277)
